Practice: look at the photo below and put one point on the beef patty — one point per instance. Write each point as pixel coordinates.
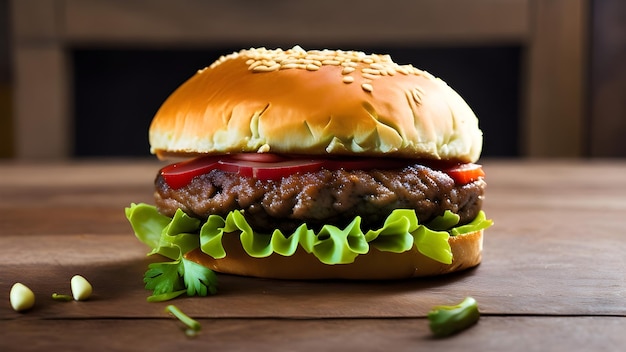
(323, 197)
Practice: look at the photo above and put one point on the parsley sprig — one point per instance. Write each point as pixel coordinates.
(168, 280)
(171, 238)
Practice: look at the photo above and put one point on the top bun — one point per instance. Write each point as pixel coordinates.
(315, 102)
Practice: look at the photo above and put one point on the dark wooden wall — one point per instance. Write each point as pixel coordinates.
(607, 78)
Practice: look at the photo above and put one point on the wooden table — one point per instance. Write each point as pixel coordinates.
(553, 275)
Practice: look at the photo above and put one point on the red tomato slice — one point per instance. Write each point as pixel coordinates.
(465, 173)
(259, 157)
(274, 167)
(267, 167)
(269, 170)
(180, 174)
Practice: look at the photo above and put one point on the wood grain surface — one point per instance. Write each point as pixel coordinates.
(553, 275)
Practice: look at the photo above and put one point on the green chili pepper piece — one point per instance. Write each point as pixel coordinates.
(448, 320)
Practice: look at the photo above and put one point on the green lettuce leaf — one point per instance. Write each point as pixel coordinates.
(433, 244)
(331, 245)
(480, 222)
(170, 237)
(400, 232)
(147, 223)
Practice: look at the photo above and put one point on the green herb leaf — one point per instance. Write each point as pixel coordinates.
(169, 280)
(199, 280)
(165, 296)
(164, 277)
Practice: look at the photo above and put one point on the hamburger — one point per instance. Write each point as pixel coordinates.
(322, 164)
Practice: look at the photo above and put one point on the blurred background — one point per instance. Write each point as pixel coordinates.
(83, 78)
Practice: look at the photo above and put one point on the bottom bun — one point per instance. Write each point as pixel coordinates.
(375, 265)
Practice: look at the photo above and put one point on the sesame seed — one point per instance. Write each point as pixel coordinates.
(263, 68)
(312, 67)
(347, 79)
(331, 62)
(254, 64)
(288, 60)
(402, 70)
(347, 70)
(268, 62)
(316, 60)
(260, 68)
(367, 87)
(371, 66)
(370, 76)
(370, 71)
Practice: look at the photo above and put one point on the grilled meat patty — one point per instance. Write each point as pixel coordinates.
(323, 197)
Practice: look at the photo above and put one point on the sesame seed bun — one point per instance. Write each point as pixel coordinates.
(376, 265)
(315, 102)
